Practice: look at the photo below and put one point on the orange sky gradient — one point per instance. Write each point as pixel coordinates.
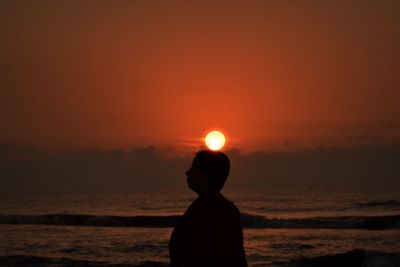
(269, 74)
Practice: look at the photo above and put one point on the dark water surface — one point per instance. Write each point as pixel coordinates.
(88, 229)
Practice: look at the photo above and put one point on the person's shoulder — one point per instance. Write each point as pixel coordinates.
(218, 203)
(227, 205)
(226, 201)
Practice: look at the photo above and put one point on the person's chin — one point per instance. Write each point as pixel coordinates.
(191, 188)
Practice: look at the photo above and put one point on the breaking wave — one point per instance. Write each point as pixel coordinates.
(354, 258)
(248, 221)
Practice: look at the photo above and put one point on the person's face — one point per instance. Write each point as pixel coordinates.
(197, 180)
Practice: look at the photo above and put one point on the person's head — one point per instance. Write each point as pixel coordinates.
(208, 172)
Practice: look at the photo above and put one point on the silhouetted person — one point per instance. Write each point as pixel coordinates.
(209, 234)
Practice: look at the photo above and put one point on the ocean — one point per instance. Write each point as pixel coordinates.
(281, 227)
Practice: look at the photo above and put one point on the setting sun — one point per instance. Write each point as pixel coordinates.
(215, 140)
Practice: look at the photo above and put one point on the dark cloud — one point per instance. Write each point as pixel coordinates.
(369, 165)
(24, 169)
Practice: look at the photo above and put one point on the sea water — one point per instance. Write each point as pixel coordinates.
(281, 227)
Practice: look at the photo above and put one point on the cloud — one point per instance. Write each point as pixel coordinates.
(369, 165)
(25, 169)
(38, 170)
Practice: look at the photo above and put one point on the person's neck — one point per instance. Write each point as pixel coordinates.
(209, 193)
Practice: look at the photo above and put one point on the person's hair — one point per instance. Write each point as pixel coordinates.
(215, 165)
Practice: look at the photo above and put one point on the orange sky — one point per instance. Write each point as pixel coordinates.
(270, 74)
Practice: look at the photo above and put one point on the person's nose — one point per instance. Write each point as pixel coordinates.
(189, 171)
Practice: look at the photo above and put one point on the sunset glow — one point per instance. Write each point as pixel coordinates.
(215, 140)
(200, 133)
